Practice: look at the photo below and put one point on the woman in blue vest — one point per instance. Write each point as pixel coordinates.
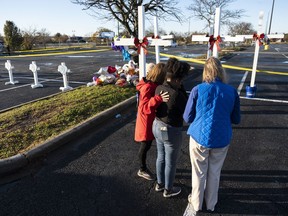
(212, 108)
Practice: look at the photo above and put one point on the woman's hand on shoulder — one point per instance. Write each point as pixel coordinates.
(164, 96)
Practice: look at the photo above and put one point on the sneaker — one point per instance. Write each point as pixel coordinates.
(210, 210)
(189, 211)
(172, 192)
(146, 174)
(159, 187)
(189, 198)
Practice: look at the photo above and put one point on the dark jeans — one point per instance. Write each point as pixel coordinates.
(142, 154)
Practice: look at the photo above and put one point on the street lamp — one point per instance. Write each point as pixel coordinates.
(271, 17)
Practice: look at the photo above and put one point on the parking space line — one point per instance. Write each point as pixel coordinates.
(264, 99)
(15, 87)
(278, 50)
(242, 83)
(44, 80)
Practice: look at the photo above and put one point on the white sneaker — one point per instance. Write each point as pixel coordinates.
(189, 198)
(147, 174)
(189, 211)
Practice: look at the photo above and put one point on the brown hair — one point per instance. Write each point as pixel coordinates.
(213, 69)
(176, 69)
(157, 74)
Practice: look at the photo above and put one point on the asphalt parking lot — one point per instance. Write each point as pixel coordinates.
(96, 173)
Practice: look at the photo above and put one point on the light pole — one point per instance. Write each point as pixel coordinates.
(271, 16)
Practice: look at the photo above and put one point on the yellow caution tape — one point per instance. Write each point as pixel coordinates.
(225, 66)
(60, 53)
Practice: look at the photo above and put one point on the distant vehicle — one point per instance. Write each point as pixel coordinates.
(76, 39)
(173, 44)
(107, 34)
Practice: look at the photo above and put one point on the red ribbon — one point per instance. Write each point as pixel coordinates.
(260, 38)
(156, 37)
(212, 41)
(141, 43)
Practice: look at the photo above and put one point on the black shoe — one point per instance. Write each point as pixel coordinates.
(172, 192)
(159, 187)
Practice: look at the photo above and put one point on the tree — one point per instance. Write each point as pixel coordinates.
(60, 38)
(205, 10)
(12, 35)
(29, 38)
(43, 37)
(285, 38)
(126, 11)
(150, 31)
(241, 28)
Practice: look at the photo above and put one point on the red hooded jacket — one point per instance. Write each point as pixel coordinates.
(148, 102)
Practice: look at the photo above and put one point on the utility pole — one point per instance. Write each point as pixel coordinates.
(271, 17)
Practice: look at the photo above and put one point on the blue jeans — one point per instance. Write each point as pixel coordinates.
(168, 141)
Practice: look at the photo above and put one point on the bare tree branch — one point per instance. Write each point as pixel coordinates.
(126, 11)
(205, 10)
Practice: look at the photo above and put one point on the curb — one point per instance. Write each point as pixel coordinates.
(8, 165)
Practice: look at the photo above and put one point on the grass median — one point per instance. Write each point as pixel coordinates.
(29, 125)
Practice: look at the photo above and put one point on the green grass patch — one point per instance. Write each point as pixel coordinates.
(29, 125)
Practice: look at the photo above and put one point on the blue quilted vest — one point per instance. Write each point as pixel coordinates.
(212, 127)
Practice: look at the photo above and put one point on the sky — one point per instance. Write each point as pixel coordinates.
(67, 18)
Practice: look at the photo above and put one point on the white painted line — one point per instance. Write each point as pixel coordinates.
(44, 80)
(242, 83)
(258, 99)
(15, 87)
(263, 99)
(278, 50)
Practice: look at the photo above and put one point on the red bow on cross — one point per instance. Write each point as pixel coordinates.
(141, 43)
(260, 38)
(212, 41)
(156, 37)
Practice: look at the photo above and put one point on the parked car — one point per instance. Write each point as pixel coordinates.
(173, 44)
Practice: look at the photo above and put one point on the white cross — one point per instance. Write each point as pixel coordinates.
(165, 40)
(270, 36)
(64, 70)
(33, 67)
(204, 38)
(151, 41)
(10, 68)
(257, 47)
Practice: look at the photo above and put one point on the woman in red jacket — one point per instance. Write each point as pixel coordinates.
(148, 102)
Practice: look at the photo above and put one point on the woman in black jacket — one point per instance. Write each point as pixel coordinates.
(167, 126)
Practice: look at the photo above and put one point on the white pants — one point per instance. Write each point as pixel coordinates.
(206, 169)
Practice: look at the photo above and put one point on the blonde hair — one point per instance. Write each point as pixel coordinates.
(213, 69)
(149, 67)
(157, 74)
